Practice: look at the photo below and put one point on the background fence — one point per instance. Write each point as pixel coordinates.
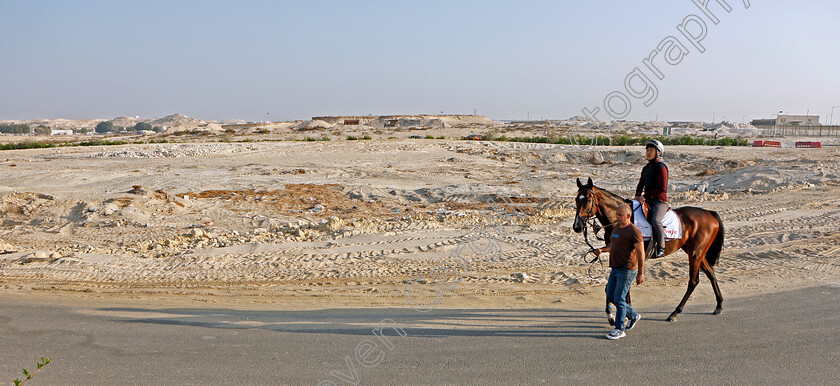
(802, 131)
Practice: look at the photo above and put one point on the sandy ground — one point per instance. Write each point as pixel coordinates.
(308, 225)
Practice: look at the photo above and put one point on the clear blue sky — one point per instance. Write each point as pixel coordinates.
(506, 59)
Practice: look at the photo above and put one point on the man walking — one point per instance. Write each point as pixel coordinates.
(627, 262)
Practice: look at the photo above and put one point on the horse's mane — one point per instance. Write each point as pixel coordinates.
(612, 195)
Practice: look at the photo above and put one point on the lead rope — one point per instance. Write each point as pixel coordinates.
(595, 258)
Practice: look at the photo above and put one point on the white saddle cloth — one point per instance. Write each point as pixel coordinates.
(671, 223)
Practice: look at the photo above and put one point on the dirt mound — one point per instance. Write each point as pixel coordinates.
(311, 199)
(312, 125)
(125, 121)
(174, 119)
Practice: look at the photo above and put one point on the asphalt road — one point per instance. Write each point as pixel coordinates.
(783, 338)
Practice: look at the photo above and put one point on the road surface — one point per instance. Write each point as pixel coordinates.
(777, 338)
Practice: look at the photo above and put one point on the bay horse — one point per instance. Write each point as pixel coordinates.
(702, 236)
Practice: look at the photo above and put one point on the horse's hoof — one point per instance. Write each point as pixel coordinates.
(672, 318)
(717, 311)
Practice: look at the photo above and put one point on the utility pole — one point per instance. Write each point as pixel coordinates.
(269, 126)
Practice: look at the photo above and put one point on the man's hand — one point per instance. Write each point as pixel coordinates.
(639, 198)
(640, 278)
(599, 251)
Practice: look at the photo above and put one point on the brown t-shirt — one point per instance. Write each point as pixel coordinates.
(622, 247)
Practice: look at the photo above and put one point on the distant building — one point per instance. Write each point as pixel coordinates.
(61, 132)
(798, 120)
(345, 120)
(788, 120)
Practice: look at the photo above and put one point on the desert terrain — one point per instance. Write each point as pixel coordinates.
(293, 224)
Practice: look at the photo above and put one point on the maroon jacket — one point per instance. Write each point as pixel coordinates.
(654, 181)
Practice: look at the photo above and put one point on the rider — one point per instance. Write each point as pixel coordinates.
(654, 184)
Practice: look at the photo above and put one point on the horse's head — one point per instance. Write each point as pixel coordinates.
(585, 204)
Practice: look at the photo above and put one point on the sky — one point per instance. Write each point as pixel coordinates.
(289, 60)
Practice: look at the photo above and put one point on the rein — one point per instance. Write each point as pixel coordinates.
(595, 228)
(591, 221)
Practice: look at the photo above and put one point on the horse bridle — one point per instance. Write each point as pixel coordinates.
(592, 207)
(590, 222)
(588, 219)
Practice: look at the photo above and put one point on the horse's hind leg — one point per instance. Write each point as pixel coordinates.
(693, 278)
(710, 273)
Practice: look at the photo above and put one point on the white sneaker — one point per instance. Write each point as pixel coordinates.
(616, 334)
(632, 322)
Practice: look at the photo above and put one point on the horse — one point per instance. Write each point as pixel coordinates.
(702, 236)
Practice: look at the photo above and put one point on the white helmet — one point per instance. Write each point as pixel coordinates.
(658, 145)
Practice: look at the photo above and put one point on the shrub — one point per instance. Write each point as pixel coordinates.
(42, 130)
(19, 128)
(142, 126)
(26, 145)
(98, 143)
(104, 127)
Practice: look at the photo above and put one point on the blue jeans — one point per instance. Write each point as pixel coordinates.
(617, 288)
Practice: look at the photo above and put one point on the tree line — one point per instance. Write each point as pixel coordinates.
(109, 127)
(18, 128)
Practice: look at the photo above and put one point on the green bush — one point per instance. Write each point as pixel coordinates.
(42, 130)
(140, 126)
(26, 145)
(105, 127)
(97, 142)
(19, 128)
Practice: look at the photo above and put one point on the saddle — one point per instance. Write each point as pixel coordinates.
(643, 205)
(671, 225)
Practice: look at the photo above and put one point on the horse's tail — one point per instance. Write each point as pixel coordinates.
(713, 253)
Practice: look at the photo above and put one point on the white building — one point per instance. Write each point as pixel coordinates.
(61, 132)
